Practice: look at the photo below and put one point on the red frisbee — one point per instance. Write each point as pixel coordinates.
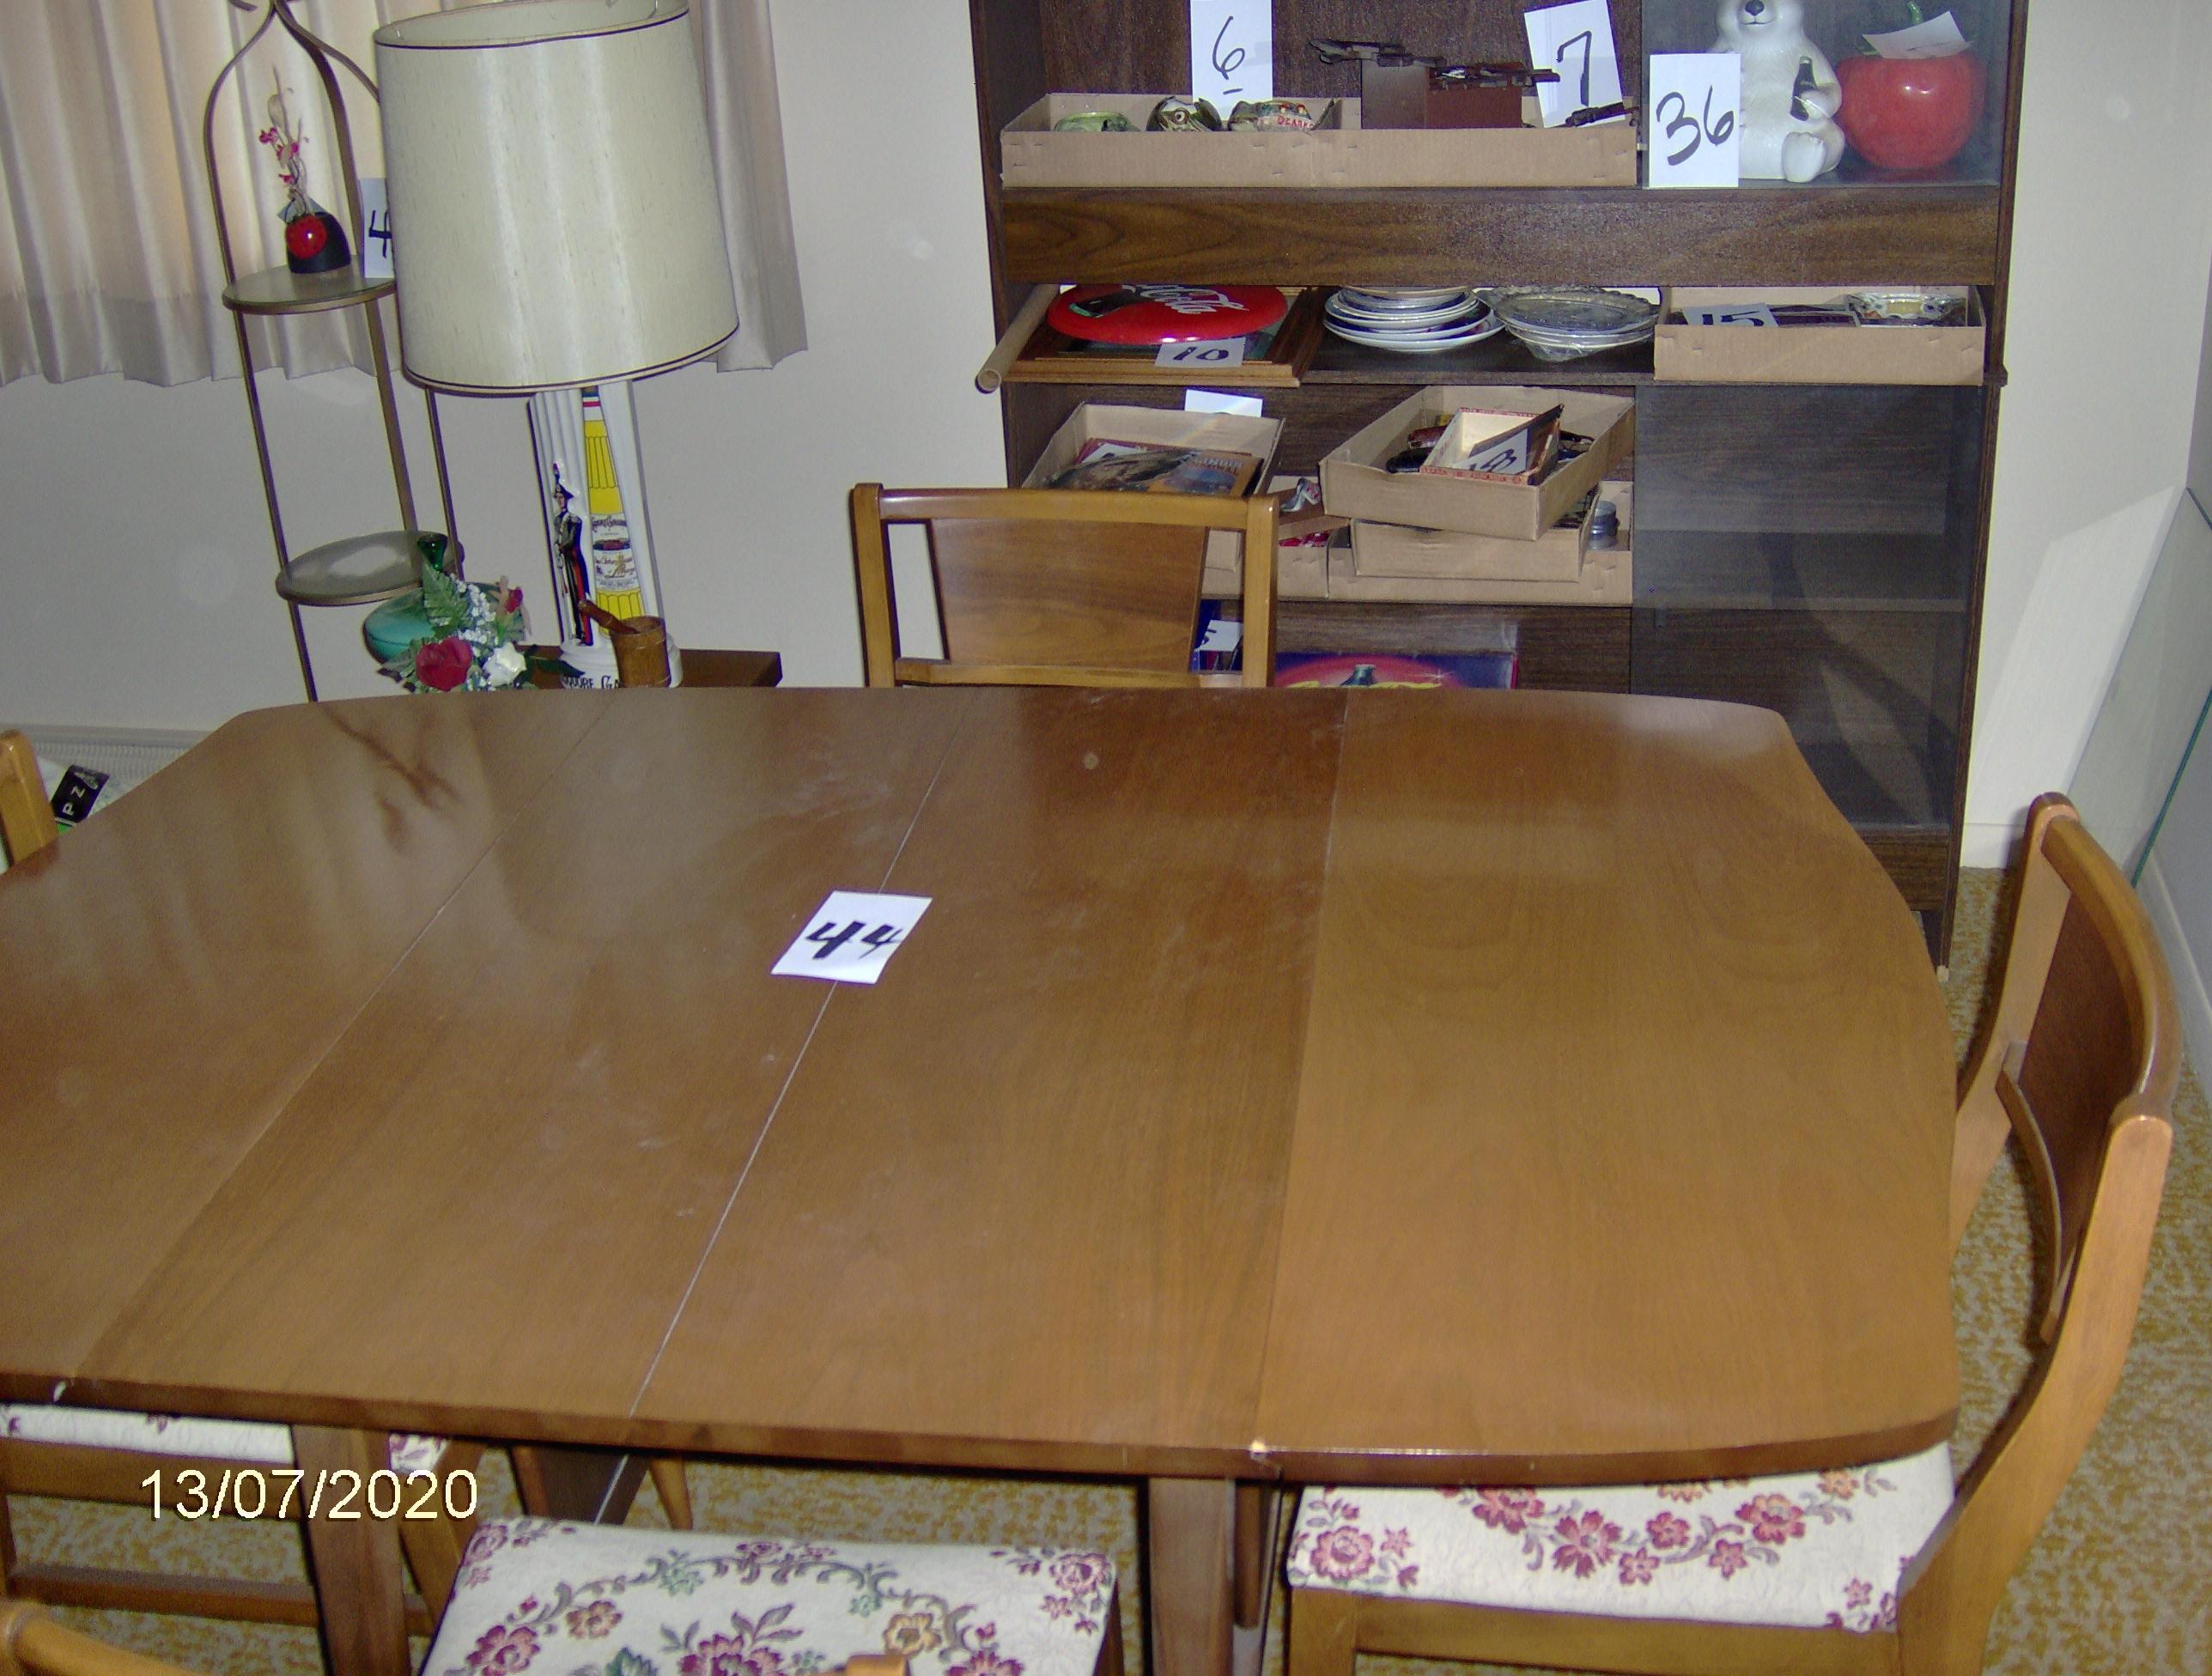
(1165, 314)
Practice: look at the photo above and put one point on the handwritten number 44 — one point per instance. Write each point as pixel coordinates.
(1717, 132)
(832, 939)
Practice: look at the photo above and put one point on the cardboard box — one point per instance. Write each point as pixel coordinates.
(1337, 152)
(1300, 560)
(1355, 485)
(1172, 428)
(1399, 549)
(1605, 576)
(1813, 355)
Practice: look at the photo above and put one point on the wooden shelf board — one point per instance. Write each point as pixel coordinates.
(1500, 360)
(281, 291)
(357, 570)
(1843, 234)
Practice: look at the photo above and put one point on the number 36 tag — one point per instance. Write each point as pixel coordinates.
(1694, 99)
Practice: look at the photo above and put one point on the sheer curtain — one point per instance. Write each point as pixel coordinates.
(108, 260)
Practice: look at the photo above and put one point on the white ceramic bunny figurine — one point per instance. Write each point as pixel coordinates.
(1790, 96)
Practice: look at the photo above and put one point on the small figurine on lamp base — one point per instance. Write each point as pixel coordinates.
(1788, 129)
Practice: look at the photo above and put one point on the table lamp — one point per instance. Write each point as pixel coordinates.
(557, 232)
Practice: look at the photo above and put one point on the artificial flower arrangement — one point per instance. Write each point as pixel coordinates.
(474, 644)
(314, 239)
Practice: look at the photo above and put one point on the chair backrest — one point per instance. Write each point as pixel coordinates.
(1061, 587)
(2081, 1060)
(27, 820)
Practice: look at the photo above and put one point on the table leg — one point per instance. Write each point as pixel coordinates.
(1189, 1589)
(589, 1486)
(360, 1589)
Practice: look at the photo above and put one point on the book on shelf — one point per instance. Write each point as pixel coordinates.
(1105, 463)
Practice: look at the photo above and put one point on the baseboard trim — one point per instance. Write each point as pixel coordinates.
(1987, 843)
(2190, 993)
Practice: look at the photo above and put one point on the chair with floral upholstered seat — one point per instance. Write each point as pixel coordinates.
(1867, 1568)
(564, 1596)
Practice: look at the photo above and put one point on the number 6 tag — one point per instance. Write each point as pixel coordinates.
(1695, 99)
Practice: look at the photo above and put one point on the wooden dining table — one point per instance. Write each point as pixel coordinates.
(1279, 1087)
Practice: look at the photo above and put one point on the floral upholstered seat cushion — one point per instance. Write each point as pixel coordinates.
(570, 1599)
(1818, 1549)
(260, 1442)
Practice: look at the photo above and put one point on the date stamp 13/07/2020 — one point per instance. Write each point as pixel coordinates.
(289, 1492)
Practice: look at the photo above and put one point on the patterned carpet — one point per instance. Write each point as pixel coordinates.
(2119, 1583)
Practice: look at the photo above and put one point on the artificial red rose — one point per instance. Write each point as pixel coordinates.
(511, 602)
(443, 664)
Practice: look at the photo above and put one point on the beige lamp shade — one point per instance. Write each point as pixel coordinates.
(554, 215)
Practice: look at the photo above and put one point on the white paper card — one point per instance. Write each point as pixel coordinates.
(1232, 50)
(1224, 634)
(851, 937)
(376, 229)
(1215, 401)
(1938, 38)
(1695, 108)
(1576, 41)
(1198, 357)
(1733, 314)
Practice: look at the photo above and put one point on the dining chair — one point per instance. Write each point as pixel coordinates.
(27, 820)
(1060, 586)
(105, 1455)
(32, 1643)
(1883, 1567)
(572, 1595)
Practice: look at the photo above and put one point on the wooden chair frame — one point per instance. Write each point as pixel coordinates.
(2100, 1165)
(76, 1472)
(875, 507)
(33, 1644)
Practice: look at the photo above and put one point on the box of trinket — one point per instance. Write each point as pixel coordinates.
(1932, 334)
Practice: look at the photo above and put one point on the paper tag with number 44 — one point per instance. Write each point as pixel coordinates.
(851, 937)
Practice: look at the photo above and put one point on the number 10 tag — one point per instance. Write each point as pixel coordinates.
(1694, 102)
(1202, 357)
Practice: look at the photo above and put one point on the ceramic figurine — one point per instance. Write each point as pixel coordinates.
(1788, 129)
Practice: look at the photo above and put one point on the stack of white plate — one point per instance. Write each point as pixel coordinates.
(1561, 322)
(1426, 321)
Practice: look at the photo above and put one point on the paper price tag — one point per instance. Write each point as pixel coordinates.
(851, 937)
(1696, 100)
(1224, 634)
(375, 229)
(1734, 314)
(1576, 41)
(1232, 50)
(1938, 38)
(1216, 401)
(1201, 357)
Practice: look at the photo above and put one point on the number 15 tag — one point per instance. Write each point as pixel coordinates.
(1694, 99)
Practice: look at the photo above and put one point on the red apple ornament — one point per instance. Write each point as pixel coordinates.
(305, 237)
(1910, 113)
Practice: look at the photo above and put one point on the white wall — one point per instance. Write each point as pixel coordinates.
(134, 551)
(2112, 245)
(134, 561)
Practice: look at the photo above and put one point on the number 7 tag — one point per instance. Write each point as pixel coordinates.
(1575, 40)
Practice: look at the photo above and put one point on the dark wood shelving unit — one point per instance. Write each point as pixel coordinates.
(1816, 550)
